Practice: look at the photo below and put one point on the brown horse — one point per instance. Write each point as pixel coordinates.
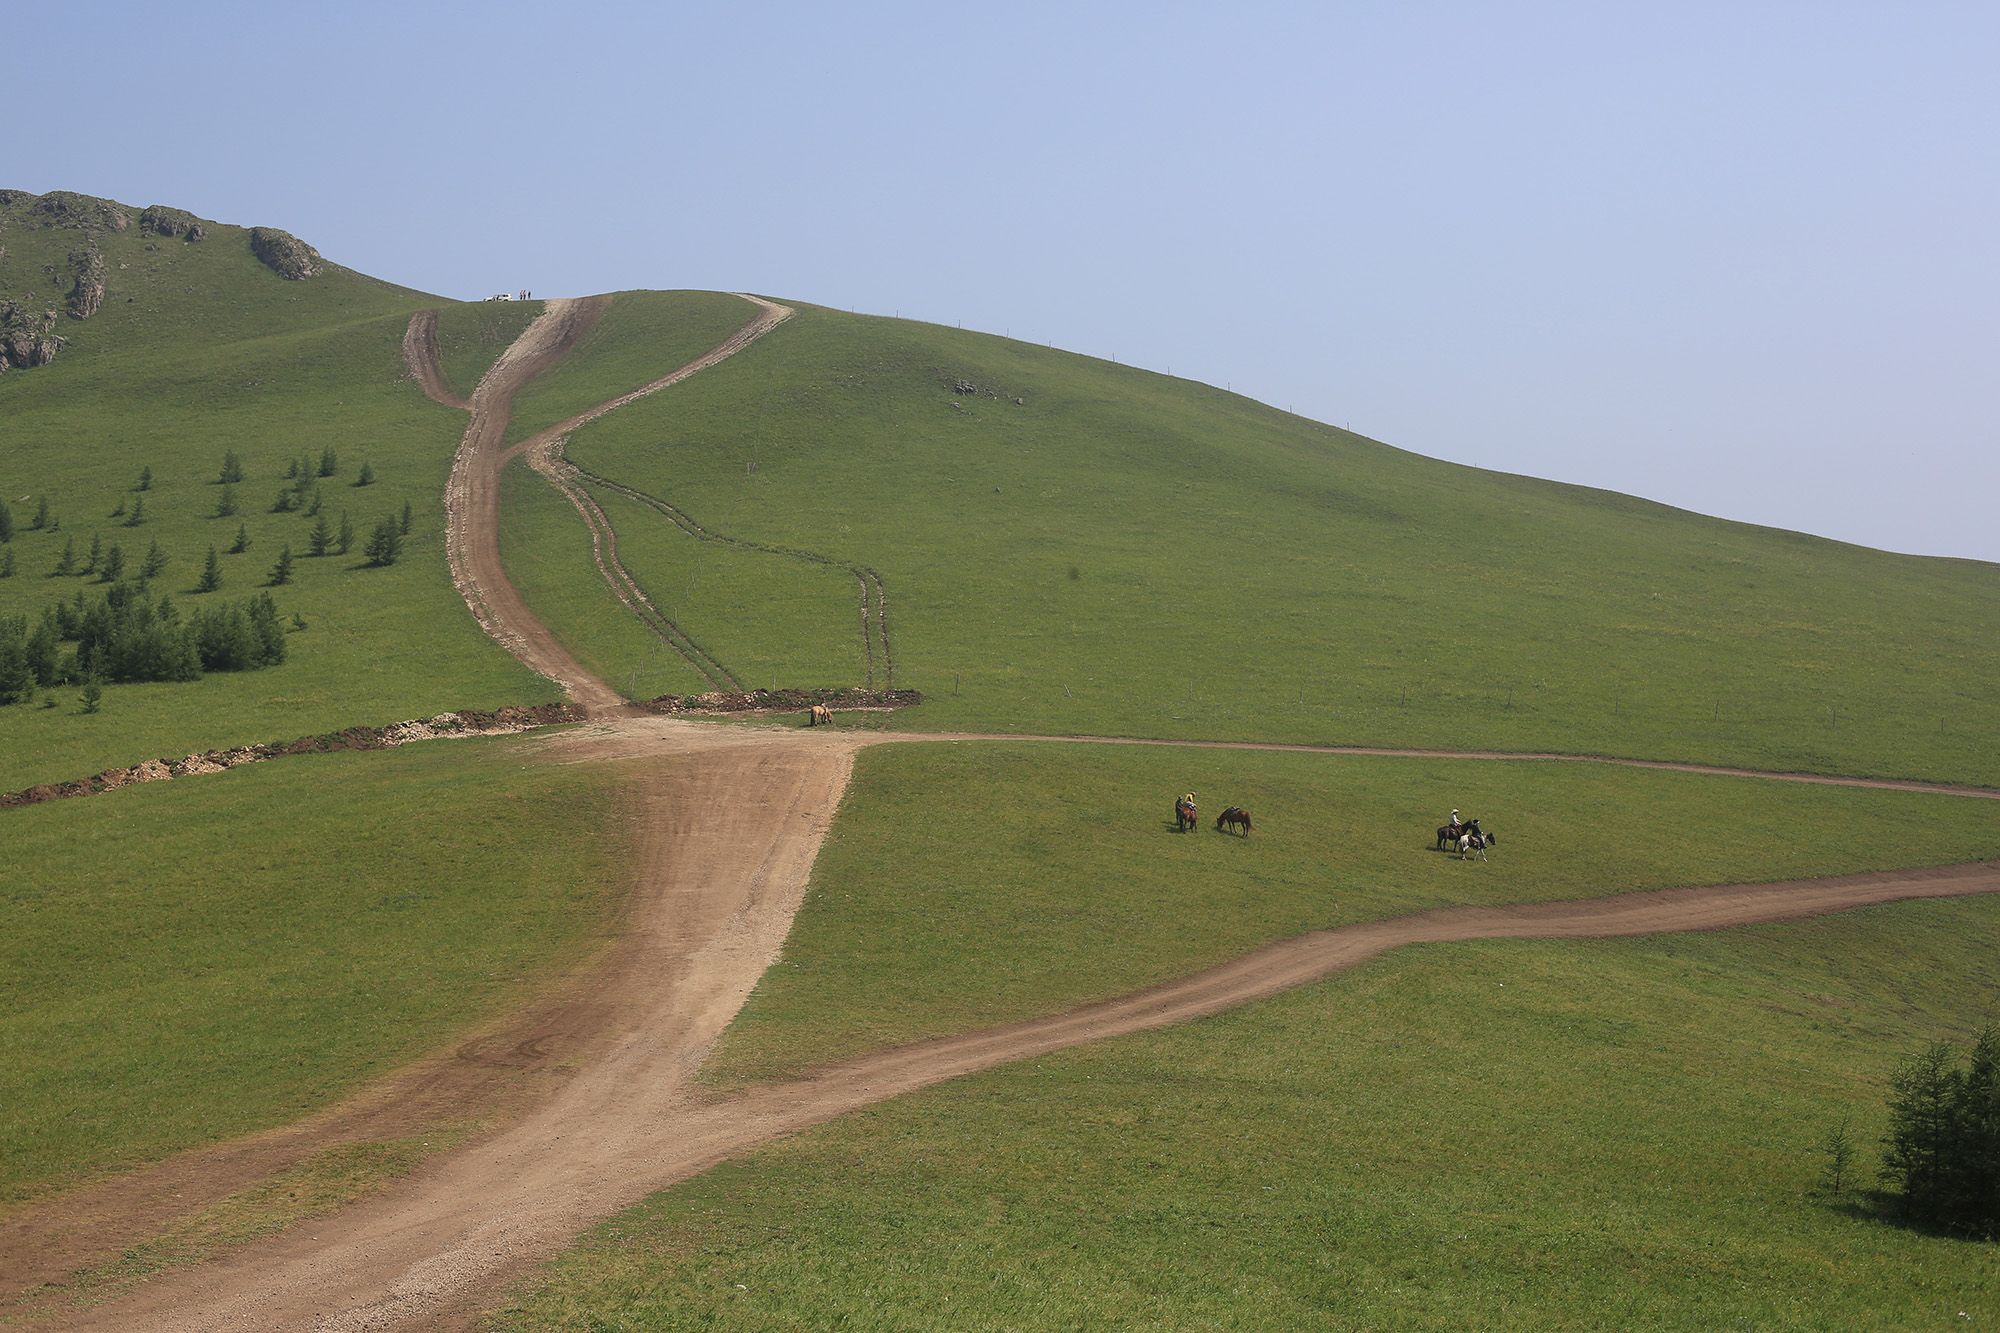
(819, 714)
(1235, 816)
(1185, 817)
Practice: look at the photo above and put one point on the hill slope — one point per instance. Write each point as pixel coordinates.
(1072, 545)
(200, 350)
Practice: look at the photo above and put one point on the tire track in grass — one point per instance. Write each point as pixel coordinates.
(874, 618)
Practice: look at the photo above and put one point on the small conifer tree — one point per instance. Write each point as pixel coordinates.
(367, 476)
(404, 525)
(345, 540)
(211, 573)
(138, 514)
(41, 514)
(93, 695)
(114, 565)
(66, 564)
(328, 463)
(6, 523)
(156, 560)
(292, 470)
(225, 504)
(320, 538)
(145, 479)
(286, 502)
(242, 542)
(118, 510)
(385, 544)
(7, 563)
(96, 554)
(281, 573)
(232, 469)
(312, 505)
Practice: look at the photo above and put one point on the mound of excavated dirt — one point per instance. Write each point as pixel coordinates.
(284, 254)
(469, 722)
(762, 701)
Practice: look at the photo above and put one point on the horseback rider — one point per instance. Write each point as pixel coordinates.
(1454, 822)
(1186, 802)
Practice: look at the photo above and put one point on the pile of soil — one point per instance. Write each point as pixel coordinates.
(466, 722)
(779, 701)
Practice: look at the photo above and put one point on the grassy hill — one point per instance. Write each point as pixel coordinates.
(200, 350)
(1079, 546)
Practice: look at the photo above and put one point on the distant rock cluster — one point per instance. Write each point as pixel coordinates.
(86, 266)
(160, 220)
(25, 340)
(284, 254)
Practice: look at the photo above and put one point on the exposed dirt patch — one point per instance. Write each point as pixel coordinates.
(420, 354)
(468, 722)
(784, 701)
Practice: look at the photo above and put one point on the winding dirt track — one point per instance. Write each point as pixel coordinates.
(597, 1082)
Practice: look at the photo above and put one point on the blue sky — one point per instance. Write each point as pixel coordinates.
(1740, 258)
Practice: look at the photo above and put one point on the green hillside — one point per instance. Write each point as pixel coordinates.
(200, 350)
(1120, 551)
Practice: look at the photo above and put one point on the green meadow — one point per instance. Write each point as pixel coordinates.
(1121, 551)
(186, 961)
(198, 352)
(968, 884)
(1573, 1135)
(472, 335)
(641, 336)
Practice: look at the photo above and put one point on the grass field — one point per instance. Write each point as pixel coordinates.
(642, 336)
(216, 354)
(471, 336)
(1126, 552)
(1518, 1135)
(185, 961)
(970, 884)
(546, 549)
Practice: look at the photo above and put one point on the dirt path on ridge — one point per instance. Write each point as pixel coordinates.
(420, 354)
(472, 501)
(729, 821)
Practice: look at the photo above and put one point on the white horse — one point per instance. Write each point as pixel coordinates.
(1474, 844)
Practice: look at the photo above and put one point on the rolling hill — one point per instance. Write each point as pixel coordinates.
(212, 980)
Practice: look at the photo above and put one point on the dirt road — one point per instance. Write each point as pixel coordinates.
(729, 821)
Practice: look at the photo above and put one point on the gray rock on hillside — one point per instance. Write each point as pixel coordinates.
(160, 220)
(87, 296)
(66, 208)
(284, 254)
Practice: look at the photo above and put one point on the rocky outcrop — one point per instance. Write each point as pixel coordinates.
(86, 296)
(64, 208)
(160, 220)
(25, 342)
(284, 254)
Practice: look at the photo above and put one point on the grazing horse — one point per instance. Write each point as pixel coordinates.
(1185, 817)
(1449, 834)
(1233, 817)
(818, 714)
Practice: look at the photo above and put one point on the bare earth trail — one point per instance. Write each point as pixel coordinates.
(598, 1082)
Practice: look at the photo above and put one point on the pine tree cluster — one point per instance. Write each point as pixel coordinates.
(126, 634)
(1942, 1153)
